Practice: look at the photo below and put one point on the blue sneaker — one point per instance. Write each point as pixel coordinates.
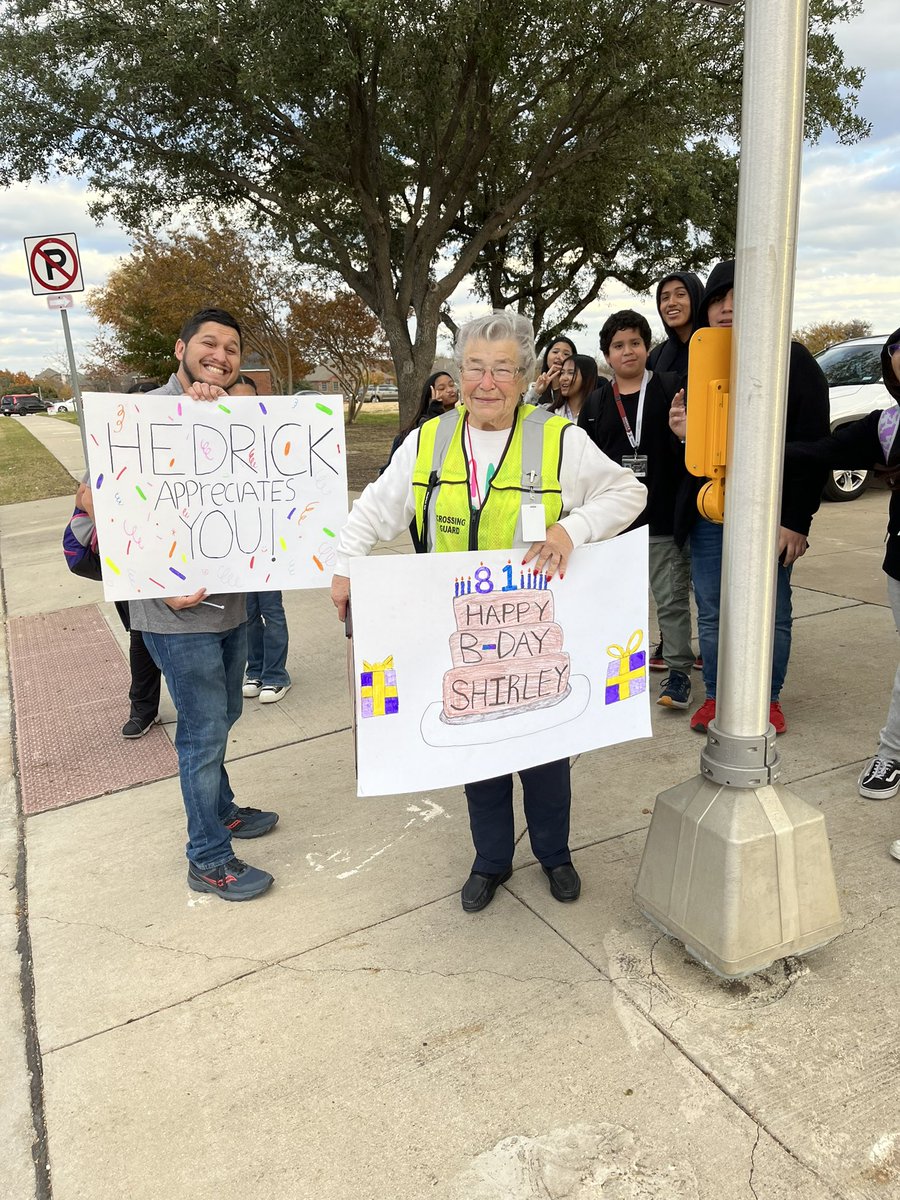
(234, 880)
(675, 691)
(250, 823)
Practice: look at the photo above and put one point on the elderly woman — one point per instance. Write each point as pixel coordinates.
(460, 481)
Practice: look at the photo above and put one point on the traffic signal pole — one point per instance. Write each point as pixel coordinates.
(736, 866)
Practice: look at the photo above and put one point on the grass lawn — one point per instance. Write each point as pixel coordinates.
(369, 444)
(72, 418)
(27, 470)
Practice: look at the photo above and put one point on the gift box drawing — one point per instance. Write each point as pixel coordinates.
(378, 688)
(626, 675)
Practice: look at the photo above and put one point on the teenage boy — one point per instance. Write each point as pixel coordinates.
(199, 642)
(678, 299)
(628, 419)
(808, 419)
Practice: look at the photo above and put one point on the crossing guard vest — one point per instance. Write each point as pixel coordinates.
(528, 473)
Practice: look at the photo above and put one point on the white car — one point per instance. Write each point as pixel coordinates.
(62, 406)
(855, 388)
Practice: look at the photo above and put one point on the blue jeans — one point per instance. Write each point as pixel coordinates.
(203, 672)
(267, 639)
(706, 572)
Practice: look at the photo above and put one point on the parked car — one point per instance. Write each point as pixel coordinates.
(382, 391)
(62, 406)
(20, 403)
(855, 387)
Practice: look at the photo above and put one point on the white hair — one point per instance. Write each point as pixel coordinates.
(499, 326)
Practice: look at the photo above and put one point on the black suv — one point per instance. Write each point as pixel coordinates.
(21, 403)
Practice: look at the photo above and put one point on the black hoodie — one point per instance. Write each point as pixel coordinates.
(871, 442)
(808, 419)
(672, 355)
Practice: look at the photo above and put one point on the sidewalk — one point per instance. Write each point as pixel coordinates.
(353, 1035)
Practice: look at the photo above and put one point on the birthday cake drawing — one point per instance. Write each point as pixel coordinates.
(507, 661)
(507, 654)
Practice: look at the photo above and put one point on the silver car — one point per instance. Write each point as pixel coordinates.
(855, 388)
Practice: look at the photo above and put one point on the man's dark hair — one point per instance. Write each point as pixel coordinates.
(625, 318)
(219, 315)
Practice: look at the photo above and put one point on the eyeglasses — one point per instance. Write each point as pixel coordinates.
(892, 349)
(473, 374)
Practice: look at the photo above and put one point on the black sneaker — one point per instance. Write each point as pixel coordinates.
(251, 823)
(675, 691)
(657, 662)
(136, 727)
(234, 880)
(880, 779)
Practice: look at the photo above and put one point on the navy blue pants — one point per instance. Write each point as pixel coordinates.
(548, 801)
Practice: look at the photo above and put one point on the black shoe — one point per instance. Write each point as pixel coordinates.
(136, 727)
(234, 880)
(478, 890)
(675, 691)
(565, 883)
(251, 823)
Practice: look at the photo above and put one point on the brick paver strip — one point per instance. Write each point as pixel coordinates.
(70, 695)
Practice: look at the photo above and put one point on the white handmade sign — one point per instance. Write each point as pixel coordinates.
(469, 666)
(247, 494)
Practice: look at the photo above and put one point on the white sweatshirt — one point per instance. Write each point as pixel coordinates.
(599, 498)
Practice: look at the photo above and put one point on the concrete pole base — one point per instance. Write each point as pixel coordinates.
(742, 876)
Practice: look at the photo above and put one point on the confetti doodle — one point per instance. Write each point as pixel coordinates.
(216, 487)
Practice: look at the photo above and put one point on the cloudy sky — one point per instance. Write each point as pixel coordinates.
(849, 249)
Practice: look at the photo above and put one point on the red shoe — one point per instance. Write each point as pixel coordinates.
(776, 717)
(704, 714)
(698, 663)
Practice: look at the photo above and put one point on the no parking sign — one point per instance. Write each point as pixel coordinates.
(53, 264)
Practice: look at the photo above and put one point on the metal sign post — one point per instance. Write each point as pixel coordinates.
(54, 270)
(735, 865)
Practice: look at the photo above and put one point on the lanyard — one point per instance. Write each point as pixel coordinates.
(633, 439)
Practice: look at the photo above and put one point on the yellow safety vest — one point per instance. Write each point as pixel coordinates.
(527, 473)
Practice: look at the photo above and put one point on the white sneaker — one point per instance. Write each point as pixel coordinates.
(252, 688)
(894, 849)
(268, 694)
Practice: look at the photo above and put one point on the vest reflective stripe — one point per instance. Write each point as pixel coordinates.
(527, 473)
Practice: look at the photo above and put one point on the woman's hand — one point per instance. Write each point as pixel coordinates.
(552, 554)
(340, 595)
(678, 415)
(546, 380)
(179, 602)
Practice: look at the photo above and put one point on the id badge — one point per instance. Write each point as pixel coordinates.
(534, 523)
(636, 463)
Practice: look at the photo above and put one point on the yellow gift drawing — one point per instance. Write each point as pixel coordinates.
(378, 688)
(627, 675)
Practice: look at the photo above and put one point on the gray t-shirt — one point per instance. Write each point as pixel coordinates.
(221, 612)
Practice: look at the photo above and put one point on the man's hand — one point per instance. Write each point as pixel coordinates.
(340, 595)
(205, 391)
(678, 415)
(551, 555)
(84, 499)
(791, 545)
(179, 602)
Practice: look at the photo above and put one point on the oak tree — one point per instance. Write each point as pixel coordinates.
(361, 134)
